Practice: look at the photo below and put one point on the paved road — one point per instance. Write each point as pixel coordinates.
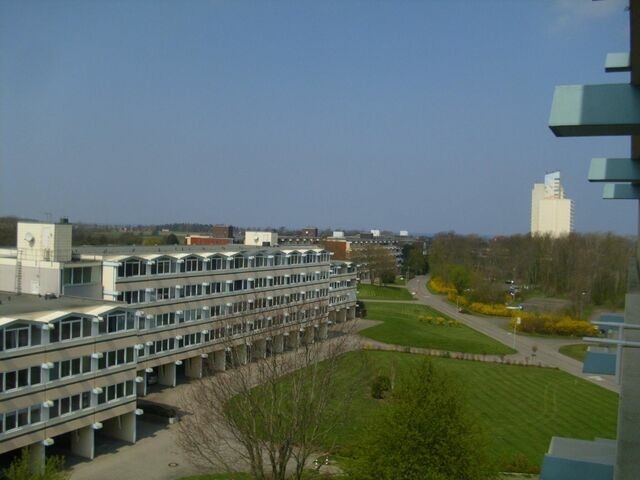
(547, 353)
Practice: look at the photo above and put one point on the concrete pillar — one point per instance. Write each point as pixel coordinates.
(259, 349)
(239, 354)
(83, 442)
(343, 315)
(122, 427)
(219, 361)
(141, 388)
(193, 367)
(37, 457)
(309, 334)
(293, 339)
(167, 374)
(323, 331)
(277, 345)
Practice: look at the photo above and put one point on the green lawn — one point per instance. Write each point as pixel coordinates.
(520, 408)
(577, 352)
(378, 292)
(402, 327)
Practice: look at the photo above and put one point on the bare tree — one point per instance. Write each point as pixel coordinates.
(270, 415)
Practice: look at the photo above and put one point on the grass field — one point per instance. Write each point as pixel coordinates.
(577, 352)
(377, 292)
(520, 408)
(402, 327)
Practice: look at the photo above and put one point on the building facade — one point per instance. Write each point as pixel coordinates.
(161, 312)
(551, 212)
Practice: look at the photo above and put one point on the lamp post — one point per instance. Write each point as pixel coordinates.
(515, 325)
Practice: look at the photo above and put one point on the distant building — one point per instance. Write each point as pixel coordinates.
(309, 232)
(206, 240)
(551, 212)
(404, 233)
(222, 231)
(261, 239)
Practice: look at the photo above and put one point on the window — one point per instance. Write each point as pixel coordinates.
(164, 319)
(18, 337)
(193, 264)
(77, 275)
(131, 268)
(216, 263)
(117, 322)
(134, 296)
(162, 266)
(71, 328)
(116, 358)
(163, 293)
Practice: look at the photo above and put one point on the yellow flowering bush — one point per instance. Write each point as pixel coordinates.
(549, 323)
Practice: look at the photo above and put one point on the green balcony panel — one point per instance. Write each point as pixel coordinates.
(591, 110)
(621, 191)
(614, 170)
(618, 62)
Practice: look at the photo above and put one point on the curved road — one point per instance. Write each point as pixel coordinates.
(547, 353)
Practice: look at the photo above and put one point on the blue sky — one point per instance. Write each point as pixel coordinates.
(419, 115)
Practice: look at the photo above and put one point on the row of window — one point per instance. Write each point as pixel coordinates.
(16, 379)
(149, 295)
(237, 328)
(15, 419)
(166, 265)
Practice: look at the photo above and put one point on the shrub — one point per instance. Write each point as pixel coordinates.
(379, 386)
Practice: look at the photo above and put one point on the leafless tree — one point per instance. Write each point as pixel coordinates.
(273, 414)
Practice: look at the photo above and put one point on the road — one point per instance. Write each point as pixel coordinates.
(547, 353)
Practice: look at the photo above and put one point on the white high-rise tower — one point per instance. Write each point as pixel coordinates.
(551, 212)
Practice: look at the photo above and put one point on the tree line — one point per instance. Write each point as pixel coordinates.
(587, 269)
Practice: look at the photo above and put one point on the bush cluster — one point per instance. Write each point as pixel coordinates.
(380, 386)
(437, 285)
(554, 324)
(439, 321)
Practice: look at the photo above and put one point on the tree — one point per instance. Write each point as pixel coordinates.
(22, 469)
(375, 258)
(460, 277)
(423, 432)
(171, 239)
(414, 260)
(269, 416)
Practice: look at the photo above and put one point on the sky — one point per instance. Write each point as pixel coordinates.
(425, 116)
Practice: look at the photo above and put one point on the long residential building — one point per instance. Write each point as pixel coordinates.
(84, 330)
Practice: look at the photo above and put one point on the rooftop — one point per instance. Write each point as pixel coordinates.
(44, 308)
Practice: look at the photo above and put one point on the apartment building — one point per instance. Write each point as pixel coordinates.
(165, 313)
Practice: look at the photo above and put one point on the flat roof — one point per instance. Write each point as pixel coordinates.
(137, 250)
(42, 308)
